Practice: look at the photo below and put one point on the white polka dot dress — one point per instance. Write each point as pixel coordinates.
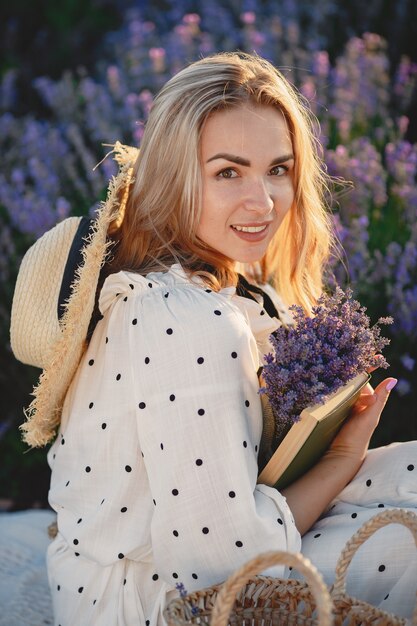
(154, 469)
(384, 570)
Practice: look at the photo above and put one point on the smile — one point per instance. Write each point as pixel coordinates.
(250, 229)
(252, 234)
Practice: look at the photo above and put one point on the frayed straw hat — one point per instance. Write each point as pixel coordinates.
(54, 299)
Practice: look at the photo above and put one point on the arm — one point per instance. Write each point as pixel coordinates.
(199, 424)
(310, 494)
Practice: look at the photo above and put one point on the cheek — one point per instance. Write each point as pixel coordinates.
(284, 199)
(210, 217)
(221, 195)
(217, 203)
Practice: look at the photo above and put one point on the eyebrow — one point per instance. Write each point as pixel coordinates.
(245, 162)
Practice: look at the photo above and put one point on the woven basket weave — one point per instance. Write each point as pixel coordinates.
(265, 601)
(260, 601)
(348, 610)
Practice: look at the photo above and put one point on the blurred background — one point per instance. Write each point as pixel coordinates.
(77, 74)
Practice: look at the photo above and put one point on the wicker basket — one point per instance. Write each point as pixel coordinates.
(265, 601)
(260, 601)
(348, 610)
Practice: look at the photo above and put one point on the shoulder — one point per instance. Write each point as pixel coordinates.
(171, 294)
(170, 303)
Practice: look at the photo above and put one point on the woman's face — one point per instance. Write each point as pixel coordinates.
(247, 167)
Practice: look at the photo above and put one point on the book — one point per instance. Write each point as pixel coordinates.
(308, 439)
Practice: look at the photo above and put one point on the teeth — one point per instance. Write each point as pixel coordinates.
(250, 229)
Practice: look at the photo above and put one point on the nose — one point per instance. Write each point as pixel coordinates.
(258, 197)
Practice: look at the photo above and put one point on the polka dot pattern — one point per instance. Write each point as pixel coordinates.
(157, 426)
(202, 443)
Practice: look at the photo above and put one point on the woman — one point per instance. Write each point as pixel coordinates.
(155, 465)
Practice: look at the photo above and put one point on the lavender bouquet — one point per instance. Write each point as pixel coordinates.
(318, 355)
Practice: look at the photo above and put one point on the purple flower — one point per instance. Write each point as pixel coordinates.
(319, 354)
(408, 362)
(183, 594)
(181, 589)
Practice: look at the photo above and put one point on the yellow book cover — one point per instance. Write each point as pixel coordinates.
(309, 438)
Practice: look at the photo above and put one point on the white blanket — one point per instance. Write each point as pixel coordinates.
(24, 591)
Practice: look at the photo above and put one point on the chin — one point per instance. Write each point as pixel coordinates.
(250, 256)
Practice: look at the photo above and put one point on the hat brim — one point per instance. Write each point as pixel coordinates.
(62, 355)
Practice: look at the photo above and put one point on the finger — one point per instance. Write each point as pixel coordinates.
(366, 400)
(384, 388)
(372, 369)
(377, 399)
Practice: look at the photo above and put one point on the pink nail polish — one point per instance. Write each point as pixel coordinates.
(391, 384)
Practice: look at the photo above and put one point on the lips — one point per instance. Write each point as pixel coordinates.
(250, 229)
(251, 232)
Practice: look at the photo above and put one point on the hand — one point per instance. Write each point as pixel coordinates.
(354, 437)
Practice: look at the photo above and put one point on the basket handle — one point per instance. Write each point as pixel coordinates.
(394, 516)
(229, 590)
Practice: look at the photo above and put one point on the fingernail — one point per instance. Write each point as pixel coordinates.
(390, 386)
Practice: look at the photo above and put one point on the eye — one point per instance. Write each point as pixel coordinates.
(279, 170)
(227, 173)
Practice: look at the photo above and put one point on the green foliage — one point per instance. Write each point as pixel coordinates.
(49, 35)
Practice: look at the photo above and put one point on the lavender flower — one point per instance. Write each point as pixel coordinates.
(361, 102)
(183, 594)
(181, 589)
(319, 354)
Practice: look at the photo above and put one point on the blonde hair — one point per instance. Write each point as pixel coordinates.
(164, 205)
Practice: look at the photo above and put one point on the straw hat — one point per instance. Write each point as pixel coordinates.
(54, 299)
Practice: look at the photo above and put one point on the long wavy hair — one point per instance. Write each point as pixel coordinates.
(164, 205)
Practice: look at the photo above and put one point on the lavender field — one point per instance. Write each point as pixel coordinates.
(362, 88)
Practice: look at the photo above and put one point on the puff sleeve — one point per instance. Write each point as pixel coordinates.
(194, 362)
